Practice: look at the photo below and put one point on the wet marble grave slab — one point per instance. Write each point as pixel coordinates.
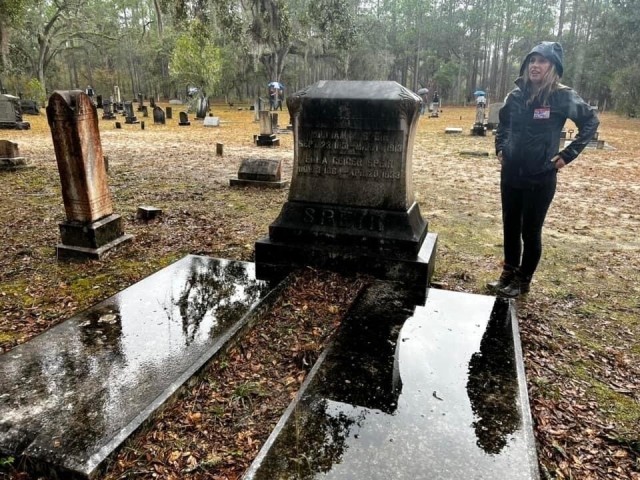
(435, 391)
(71, 395)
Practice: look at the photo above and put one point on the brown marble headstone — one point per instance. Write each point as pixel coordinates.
(91, 227)
(351, 202)
(10, 158)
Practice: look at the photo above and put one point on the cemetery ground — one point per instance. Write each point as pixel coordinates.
(580, 325)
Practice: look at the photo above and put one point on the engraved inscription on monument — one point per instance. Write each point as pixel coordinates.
(351, 154)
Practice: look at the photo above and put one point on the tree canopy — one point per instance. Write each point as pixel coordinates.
(233, 48)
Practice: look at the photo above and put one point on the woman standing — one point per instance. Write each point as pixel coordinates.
(527, 145)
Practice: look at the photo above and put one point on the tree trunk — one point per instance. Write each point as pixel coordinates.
(563, 6)
(4, 47)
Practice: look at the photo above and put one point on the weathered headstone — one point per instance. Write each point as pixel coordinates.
(211, 121)
(169, 113)
(29, 107)
(219, 149)
(184, 119)
(10, 158)
(11, 113)
(494, 111)
(99, 102)
(158, 116)
(107, 110)
(130, 118)
(140, 102)
(147, 213)
(266, 138)
(261, 172)
(116, 94)
(351, 205)
(91, 228)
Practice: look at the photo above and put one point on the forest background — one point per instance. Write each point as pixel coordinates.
(231, 49)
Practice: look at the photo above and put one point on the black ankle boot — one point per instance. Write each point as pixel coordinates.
(518, 285)
(505, 278)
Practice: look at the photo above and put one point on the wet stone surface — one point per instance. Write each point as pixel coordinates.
(434, 391)
(70, 396)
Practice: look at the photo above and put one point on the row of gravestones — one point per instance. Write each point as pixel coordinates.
(92, 228)
(159, 116)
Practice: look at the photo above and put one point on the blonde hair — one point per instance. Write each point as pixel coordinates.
(550, 83)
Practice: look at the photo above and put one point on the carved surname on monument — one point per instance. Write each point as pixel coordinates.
(344, 218)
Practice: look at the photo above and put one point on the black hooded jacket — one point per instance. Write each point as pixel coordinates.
(529, 135)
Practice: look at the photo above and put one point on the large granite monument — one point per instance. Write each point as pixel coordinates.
(91, 228)
(351, 203)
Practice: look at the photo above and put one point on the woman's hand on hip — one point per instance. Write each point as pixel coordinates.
(558, 162)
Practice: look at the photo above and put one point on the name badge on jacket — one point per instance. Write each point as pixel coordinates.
(542, 113)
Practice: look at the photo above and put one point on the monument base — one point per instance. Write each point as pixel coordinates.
(15, 125)
(275, 259)
(239, 182)
(271, 140)
(375, 228)
(478, 130)
(91, 239)
(15, 163)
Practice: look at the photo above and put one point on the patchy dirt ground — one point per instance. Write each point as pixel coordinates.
(580, 323)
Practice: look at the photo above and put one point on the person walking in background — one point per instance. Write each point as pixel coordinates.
(527, 145)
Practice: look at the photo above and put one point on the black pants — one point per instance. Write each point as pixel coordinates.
(523, 212)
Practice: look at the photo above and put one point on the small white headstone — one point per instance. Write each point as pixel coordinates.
(211, 121)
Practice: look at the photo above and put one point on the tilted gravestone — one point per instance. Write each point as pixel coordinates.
(261, 172)
(158, 116)
(10, 158)
(351, 204)
(91, 228)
